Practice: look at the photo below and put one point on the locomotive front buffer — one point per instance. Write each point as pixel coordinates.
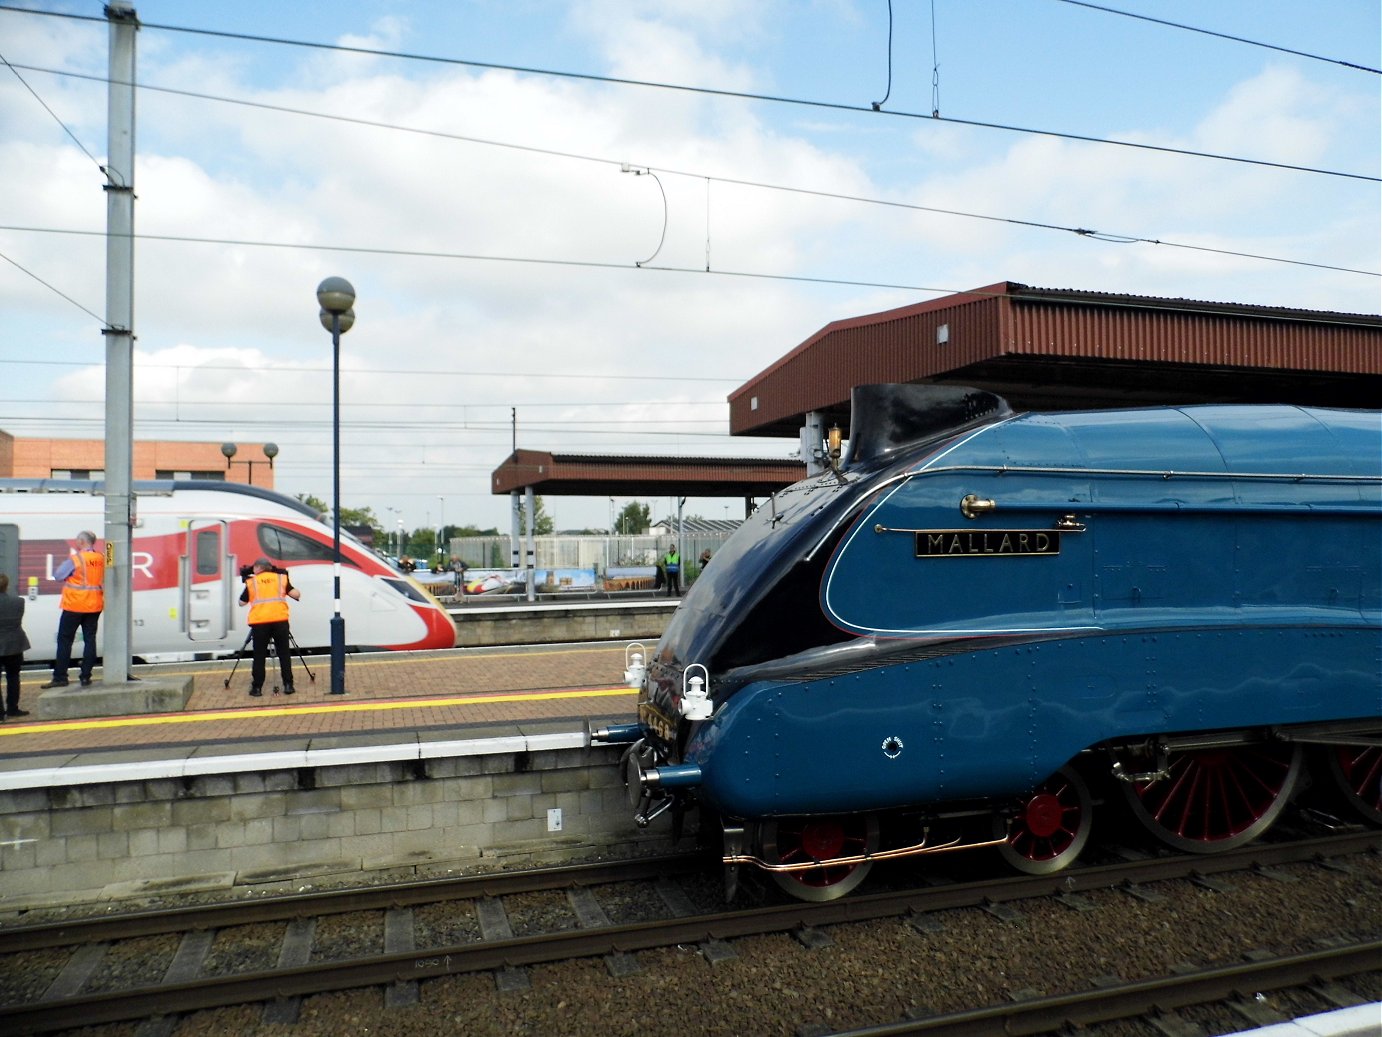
(653, 782)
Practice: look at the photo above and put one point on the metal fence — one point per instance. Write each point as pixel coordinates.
(598, 553)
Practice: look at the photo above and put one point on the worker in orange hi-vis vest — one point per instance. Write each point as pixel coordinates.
(82, 576)
(267, 590)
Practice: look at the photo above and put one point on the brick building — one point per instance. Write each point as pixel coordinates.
(37, 458)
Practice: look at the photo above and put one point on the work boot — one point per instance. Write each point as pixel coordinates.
(54, 684)
(256, 691)
(86, 682)
(288, 689)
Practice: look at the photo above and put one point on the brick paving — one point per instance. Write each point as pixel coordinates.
(388, 695)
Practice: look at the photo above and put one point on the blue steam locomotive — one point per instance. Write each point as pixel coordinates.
(976, 616)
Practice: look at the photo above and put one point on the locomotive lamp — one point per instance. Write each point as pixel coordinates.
(695, 702)
(336, 297)
(634, 668)
(834, 439)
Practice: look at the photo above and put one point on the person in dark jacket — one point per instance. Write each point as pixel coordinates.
(13, 644)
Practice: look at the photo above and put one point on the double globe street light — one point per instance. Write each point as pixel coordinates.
(230, 450)
(336, 297)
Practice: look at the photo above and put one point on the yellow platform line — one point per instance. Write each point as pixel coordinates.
(378, 705)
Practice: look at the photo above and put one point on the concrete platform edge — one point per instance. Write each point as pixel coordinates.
(241, 763)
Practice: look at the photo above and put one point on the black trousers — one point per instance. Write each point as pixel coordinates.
(11, 664)
(261, 634)
(68, 624)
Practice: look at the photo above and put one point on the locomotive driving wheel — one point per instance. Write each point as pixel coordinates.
(1051, 825)
(1212, 800)
(797, 840)
(1357, 771)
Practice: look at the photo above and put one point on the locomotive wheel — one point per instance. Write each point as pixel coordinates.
(1217, 799)
(1051, 827)
(1357, 771)
(797, 840)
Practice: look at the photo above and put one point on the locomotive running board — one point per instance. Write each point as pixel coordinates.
(915, 850)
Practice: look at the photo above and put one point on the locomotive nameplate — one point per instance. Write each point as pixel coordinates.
(986, 543)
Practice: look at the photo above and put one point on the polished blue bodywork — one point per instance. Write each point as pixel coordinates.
(1219, 568)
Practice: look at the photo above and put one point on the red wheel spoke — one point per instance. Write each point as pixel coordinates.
(1050, 827)
(1217, 798)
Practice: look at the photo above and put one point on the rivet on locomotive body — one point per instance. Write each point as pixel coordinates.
(892, 747)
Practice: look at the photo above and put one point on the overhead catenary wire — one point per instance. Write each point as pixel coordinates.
(65, 128)
(935, 68)
(878, 105)
(52, 288)
(1088, 233)
(742, 95)
(145, 364)
(1110, 236)
(1224, 36)
(603, 265)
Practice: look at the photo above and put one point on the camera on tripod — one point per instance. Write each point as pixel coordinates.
(246, 571)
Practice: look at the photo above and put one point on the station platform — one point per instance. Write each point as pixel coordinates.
(430, 762)
(387, 693)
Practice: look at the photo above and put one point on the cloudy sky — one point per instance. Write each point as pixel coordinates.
(591, 265)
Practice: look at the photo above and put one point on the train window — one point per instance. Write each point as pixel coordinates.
(406, 589)
(285, 545)
(208, 551)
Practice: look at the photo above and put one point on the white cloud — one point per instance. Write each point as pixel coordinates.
(229, 333)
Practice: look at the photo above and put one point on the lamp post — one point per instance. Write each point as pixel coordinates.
(270, 452)
(336, 298)
(443, 552)
(390, 533)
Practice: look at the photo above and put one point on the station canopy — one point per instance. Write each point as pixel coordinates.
(1039, 348)
(593, 475)
(1057, 349)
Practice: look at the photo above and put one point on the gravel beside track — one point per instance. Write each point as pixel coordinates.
(865, 974)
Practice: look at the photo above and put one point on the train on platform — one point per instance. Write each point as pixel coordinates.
(190, 540)
(979, 625)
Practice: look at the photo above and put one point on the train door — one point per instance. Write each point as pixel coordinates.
(205, 587)
(9, 555)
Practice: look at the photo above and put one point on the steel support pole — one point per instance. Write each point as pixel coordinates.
(116, 625)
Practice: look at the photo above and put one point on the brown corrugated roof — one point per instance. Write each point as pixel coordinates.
(596, 475)
(1061, 348)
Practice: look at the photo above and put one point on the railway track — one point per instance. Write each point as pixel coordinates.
(1155, 999)
(403, 962)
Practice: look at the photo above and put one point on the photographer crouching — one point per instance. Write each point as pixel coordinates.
(267, 590)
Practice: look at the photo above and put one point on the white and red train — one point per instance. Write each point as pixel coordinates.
(189, 542)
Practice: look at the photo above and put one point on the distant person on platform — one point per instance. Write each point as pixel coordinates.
(267, 590)
(82, 575)
(13, 644)
(671, 563)
(705, 558)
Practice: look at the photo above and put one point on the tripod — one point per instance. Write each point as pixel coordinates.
(273, 656)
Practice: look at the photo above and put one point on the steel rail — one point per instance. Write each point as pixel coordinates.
(1127, 1000)
(221, 991)
(286, 907)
